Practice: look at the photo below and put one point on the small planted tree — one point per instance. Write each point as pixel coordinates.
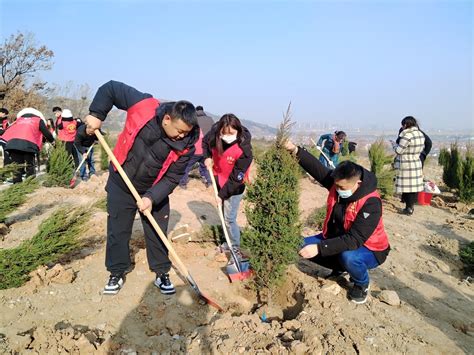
(273, 235)
(60, 166)
(380, 165)
(15, 196)
(452, 167)
(443, 157)
(57, 237)
(466, 181)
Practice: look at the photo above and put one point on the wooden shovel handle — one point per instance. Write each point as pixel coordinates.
(182, 268)
(221, 216)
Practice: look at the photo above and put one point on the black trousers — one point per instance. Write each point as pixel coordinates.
(410, 199)
(72, 151)
(21, 157)
(122, 208)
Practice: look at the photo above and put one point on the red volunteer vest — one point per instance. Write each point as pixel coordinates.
(224, 164)
(378, 241)
(137, 117)
(198, 144)
(68, 133)
(26, 128)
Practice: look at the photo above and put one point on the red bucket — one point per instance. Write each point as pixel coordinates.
(424, 198)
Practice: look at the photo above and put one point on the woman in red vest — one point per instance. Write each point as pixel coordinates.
(227, 148)
(24, 140)
(353, 238)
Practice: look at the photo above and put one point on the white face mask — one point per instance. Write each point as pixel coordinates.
(344, 193)
(229, 138)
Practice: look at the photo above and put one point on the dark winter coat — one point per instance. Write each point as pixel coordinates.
(151, 146)
(337, 240)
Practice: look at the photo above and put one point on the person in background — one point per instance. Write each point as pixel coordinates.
(3, 126)
(66, 127)
(85, 139)
(353, 239)
(205, 123)
(331, 145)
(227, 149)
(426, 148)
(408, 165)
(25, 140)
(57, 111)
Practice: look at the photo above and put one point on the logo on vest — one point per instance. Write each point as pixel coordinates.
(240, 177)
(71, 127)
(366, 215)
(230, 160)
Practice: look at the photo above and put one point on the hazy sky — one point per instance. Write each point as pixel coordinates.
(363, 62)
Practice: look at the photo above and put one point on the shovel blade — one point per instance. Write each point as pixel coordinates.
(201, 295)
(239, 274)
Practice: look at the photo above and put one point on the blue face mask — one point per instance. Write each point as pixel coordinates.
(344, 193)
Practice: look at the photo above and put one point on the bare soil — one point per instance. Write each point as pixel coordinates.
(62, 309)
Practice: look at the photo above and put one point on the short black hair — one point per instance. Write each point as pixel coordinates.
(4, 110)
(185, 111)
(199, 108)
(409, 122)
(57, 108)
(347, 170)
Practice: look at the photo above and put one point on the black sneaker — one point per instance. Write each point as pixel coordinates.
(114, 285)
(164, 284)
(408, 211)
(335, 274)
(359, 293)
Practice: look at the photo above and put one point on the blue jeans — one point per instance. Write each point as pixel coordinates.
(202, 170)
(355, 262)
(231, 208)
(89, 162)
(334, 158)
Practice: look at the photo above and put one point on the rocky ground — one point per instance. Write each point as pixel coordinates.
(421, 301)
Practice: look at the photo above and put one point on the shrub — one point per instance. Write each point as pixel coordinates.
(466, 254)
(8, 170)
(443, 157)
(380, 165)
(452, 167)
(458, 171)
(56, 238)
(273, 235)
(60, 167)
(15, 196)
(466, 180)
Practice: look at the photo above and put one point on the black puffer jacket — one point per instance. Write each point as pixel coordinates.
(337, 240)
(151, 146)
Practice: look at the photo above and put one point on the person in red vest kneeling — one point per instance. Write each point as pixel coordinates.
(25, 139)
(353, 238)
(154, 148)
(227, 149)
